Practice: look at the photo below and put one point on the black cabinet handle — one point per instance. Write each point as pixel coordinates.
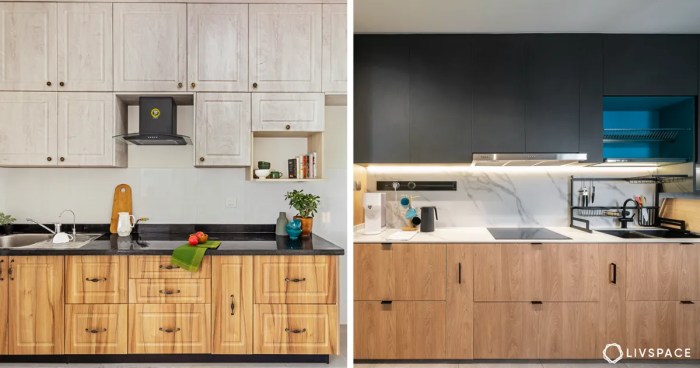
(288, 330)
(96, 279)
(287, 127)
(613, 273)
(48, 84)
(168, 267)
(686, 302)
(193, 84)
(459, 272)
(255, 85)
(386, 302)
(1, 264)
(287, 279)
(9, 271)
(536, 302)
(169, 292)
(61, 84)
(179, 85)
(95, 330)
(49, 159)
(233, 306)
(169, 330)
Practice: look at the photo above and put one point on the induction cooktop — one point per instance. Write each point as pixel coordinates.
(528, 233)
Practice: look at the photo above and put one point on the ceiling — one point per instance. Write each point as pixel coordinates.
(527, 16)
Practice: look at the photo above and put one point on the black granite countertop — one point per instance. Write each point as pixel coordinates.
(162, 239)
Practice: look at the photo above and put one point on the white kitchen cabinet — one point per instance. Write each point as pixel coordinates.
(286, 47)
(217, 55)
(222, 129)
(288, 112)
(28, 46)
(85, 129)
(335, 41)
(150, 45)
(28, 129)
(84, 47)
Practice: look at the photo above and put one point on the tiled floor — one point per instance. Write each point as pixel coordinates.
(336, 362)
(538, 365)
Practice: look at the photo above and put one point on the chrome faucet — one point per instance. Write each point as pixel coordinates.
(71, 211)
(54, 232)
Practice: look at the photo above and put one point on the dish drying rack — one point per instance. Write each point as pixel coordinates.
(641, 135)
(579, 214)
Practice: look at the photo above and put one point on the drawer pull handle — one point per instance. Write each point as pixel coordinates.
(169, 292)
(536, 302)
(168, 267)
(459, 272)
(9, 271)
(287, 279)
(170, 330)
(287, 330)
(233, 306)
(386, 302)
(686, 302)
(613, 273)
(96, 279)
(95, 330)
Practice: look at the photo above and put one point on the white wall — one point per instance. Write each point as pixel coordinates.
(168, 189)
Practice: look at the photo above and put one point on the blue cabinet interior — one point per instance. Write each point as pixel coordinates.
(649, 127)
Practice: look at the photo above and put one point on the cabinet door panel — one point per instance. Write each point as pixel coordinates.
(5, 303)
(169, 291)
(285, 47)
(85, 47)
(27, 46)
(86, 129)
(29, 128)
(663, 272)
(288, 112)
(591, 98)
(508, 273)
(233, 305)
(374, 272)
(506, 330)
(159, 267)
(150, 43)
(36, 305)
(222, 129)
(296, 279)
(663, 324)
(217, 47)
(169, 329)
(96, 329)
(459, 305)
(569, 330)
(96, 279)
(296, 329)
(335, 44)
(570, 273)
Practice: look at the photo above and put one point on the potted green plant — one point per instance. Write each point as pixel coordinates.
(6, 223)
(306, 205)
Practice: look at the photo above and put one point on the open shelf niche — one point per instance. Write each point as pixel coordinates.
(278, 147)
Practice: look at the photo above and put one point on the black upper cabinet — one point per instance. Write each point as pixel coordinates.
(650, 64)
(440, 99)
(381, 111)
(552, 93)
(591, 97)
(499, 94)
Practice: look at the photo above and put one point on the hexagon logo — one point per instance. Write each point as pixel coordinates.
(619, 353)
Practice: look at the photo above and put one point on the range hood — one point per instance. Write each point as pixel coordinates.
(527, 159)
(157, 124)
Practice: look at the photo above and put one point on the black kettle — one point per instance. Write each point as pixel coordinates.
(428, 215)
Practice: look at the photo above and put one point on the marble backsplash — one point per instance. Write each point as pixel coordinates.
(533, 196)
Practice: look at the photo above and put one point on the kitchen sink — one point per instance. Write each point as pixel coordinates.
(650, 234)
(43, 241)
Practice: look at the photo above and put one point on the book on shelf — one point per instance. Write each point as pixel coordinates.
(303, 167)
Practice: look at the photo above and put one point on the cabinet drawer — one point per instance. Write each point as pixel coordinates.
(96, 329)
(96, 279)
(169, 328)
(153, 291)
(400, 330)
(663, 272)
(288, 112)
(159, 267)
(296, 280)
(296, 329)
(663, 324)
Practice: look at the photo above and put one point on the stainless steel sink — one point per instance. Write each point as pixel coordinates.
(22, 240)
(650, 234)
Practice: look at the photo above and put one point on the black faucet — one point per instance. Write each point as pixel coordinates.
(624, 219)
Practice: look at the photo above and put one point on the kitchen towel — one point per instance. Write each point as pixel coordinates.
(190, 257)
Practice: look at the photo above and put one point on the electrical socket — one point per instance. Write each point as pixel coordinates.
(231, 203)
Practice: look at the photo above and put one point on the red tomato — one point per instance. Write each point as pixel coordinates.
(193, 240)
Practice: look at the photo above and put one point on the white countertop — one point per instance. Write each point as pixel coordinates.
(481, 235)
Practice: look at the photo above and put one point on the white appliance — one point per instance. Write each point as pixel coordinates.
(375, 212)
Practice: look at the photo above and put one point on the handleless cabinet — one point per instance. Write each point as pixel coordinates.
(28, 46)
(150, 45)
(4, 303)
(285, 47)
(667, 272)
(217, 47)
(664, 325)
(335, 44)
(28, 134)
(223, 129)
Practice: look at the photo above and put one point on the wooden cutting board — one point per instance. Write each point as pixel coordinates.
(121, 203)
(684, 209)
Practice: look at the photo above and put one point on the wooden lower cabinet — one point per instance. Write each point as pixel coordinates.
(664, 271)
(96, 329)
(506, 330)
(96, 279)
(296, 279)
(569, 330)
(232, 307)
(35, 320)
(400, 330)
(174, 291)
(169, 328)
(4, 304)
(663, 324)
(459, 305)
(296, 329)
(159, 267)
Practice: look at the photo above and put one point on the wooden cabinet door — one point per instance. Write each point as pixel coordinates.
(232, 306)
(285, 47)
(664, 271)
(569, 330)
(288, 112)
(169, 291)
(663, 324)
(29, 129)
(296, 329)
(570, 273)
(169, 329)
(36, 305)
(508, 272)
(96, 279)
(400, 330)
(217, 47)
(96, 328)
(222, 129)
(27, 46)
(159, 267)
(459, 304)
(84, 47)
(400, 272)
(150, 46)
(86, 129)
(296, 279)
(335, 44)
(506, 330)
(4, 305)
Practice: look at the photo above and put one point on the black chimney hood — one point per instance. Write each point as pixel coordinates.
(157, 124)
